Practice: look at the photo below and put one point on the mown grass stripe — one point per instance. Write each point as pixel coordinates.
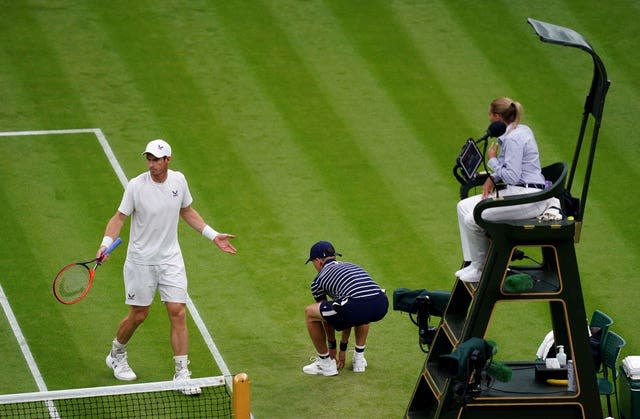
(329, 143)
(105, 89)
(378, 128)
(395, 61)
(466, 68)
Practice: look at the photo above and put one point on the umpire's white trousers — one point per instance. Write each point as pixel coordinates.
(473, 238)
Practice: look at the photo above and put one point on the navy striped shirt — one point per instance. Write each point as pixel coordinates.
(342, 280)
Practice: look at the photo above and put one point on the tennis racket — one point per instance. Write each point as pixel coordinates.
(74, 281)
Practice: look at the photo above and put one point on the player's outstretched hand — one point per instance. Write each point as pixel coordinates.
(342, 357)
(222, 241)
(332, 353)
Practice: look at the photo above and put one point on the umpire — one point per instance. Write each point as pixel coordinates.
(346, 297)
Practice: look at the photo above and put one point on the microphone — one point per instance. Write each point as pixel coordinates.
(496, 129)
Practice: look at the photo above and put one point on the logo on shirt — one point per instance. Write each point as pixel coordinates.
(174, 193)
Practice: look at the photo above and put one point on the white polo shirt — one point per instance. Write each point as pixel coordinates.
(155, 211)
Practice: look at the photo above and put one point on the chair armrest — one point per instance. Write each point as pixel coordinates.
(473, 183)
(554, 191)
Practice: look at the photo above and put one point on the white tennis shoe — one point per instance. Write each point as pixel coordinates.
(463, 270)
(358, 362)
(320, 366)
(180, 378)
(120, 367)
(472, 275)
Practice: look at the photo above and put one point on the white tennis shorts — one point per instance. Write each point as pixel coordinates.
(142, 281)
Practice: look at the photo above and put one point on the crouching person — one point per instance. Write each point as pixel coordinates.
(346, 297)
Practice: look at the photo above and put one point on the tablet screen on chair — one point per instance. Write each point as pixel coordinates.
(470, 158)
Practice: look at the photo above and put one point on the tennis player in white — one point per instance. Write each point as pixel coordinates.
(156, 200)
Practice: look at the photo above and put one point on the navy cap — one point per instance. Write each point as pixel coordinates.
(322, 249)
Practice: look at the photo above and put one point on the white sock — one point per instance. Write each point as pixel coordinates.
(182, 361)
(117, 347)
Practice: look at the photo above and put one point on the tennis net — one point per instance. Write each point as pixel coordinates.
(146, 400)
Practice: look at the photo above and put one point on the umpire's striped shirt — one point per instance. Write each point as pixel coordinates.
(341, 280)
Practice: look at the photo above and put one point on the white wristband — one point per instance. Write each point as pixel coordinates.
(106, 241)
(209, 232)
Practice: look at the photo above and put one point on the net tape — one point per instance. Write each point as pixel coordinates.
(145, 400)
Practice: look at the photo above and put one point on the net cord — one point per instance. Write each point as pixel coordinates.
(110, 390)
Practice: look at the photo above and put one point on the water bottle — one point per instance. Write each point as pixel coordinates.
(561, 357)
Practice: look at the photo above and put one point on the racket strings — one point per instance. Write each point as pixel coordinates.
(72, 282)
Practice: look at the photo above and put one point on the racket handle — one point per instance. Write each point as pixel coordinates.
(111, 247)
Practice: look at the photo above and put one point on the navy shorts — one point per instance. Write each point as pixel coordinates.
(349, 312)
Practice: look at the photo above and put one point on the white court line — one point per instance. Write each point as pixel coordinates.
(26, 352)
(24, 347)
(47, 132)
(102, 139)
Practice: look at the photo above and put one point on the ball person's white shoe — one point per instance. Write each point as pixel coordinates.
(320, 366)
(359, 364)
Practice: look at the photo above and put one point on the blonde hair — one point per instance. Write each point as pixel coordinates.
(509, 110)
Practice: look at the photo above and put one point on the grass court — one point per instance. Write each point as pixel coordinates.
(294, 121)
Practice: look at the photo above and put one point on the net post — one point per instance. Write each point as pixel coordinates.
(241, 400)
